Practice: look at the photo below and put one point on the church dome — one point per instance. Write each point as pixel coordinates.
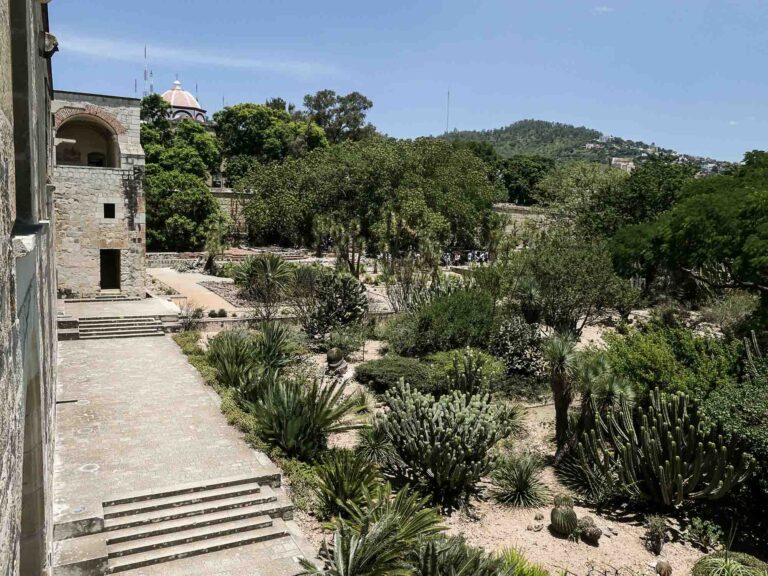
(183, 104)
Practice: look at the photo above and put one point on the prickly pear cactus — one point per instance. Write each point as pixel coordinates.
(564, 520)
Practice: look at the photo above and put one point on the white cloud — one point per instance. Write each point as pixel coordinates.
(732, 123)
(110, 49)
(602, 9)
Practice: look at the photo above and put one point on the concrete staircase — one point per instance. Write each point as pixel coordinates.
(119, 327)
(149, 528)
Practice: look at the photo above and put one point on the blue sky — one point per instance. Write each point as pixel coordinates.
(686, 74)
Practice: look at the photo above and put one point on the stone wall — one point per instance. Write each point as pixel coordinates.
(27, 290)
(82, 230)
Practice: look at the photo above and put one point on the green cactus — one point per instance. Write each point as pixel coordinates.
(564, 520)
(563, 500)
(666, 453)
(444, 445)
(591, 534)
(334, 356)
(585, 522)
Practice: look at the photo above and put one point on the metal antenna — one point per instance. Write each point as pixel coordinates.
(448, 114)
(146, 72)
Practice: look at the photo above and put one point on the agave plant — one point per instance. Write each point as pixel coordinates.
(375, 446)
(274, 347)
(298, 413)
(231, 353)
(517, 481)
(343, 479)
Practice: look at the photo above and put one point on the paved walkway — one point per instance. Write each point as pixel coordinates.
(134, 415)
(187, 284)
(145, 307)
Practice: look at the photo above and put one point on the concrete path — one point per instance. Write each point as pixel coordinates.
(187, 284)
(145, 307)
(134, 415)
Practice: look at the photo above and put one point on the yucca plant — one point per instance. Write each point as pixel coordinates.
(342, 479)
(274, 347)
(231, 353)
(454, 557)
(264, 278)
(297, 413)
(517, 481)
(516, 564)
(559, 352)
(375, 446)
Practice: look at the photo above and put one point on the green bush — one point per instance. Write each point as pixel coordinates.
(189, 342)
(385, 373)
(274, 346)
(348, 339)
(456, 320)
(343, 480)
(517, 343)
(297, 414)
(729, 564)
(444, 444)
(325, 299)
(704, 533)
(231, 354)
(517, 481)
(468, 370)
(401, 333)
(673, 360)
(454, 556)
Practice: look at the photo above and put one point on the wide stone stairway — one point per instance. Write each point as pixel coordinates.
(119, 327)
(150, 479)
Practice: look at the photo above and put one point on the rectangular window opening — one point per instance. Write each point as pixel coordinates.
(109, 210)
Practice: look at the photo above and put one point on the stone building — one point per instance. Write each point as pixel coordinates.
(27, 290)
(183, 104)
(98, 174)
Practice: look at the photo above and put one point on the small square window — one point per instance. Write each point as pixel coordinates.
(109, 210)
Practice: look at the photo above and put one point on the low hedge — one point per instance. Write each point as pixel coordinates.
(384, 374)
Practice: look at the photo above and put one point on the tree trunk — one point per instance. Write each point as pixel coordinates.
(562, 396)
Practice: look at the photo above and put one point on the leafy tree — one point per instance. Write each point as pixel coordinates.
(521, 176)
(156, 117)
(204, 142)
(342, 117)
(179, 207)
(184, 159)
(265, 132)
(573, 278)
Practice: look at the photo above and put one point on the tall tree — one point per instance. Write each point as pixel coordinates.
(342, 117)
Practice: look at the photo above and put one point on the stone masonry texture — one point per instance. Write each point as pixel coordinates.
(81, 192)
(27, 290)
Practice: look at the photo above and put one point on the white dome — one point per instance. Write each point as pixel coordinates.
(179, 98)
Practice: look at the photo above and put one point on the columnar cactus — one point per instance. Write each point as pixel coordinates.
(667, 453)
(444, 444)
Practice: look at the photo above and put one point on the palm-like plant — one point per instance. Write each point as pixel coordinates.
(559, 352)
(298, 415)
(274, 346)
(375, 446)
(264, 278)
(343, 479)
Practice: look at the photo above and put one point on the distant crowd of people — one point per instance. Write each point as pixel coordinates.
(457, 258)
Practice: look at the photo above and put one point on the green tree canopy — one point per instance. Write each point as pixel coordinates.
(196, 136)
(266, 133)
(342, 117)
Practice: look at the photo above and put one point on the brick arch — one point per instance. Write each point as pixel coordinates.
(67, 112)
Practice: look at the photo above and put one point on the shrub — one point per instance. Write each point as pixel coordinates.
(668, 453)
(401, 333)
(188, 342)
(517, 343)
(324, 299)
(468, 371)
(729, 564)
(731, 311)
(264, 278)
(516, 564)
(456, 320)
(596, 484)
(385, 373)
(297, 415)
(517, 481)
(274, 346)
(444, 444)
(673, 360)
(343, 479)
(655, 533)
(231, 354)
(347, 339)
(454, 556)
(704, 533)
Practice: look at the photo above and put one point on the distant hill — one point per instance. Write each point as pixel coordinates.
(564, 142)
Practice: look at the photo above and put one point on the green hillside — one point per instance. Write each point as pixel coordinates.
(554, 140)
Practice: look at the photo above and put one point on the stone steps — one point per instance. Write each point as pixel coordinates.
(119, 327)
(131, 561)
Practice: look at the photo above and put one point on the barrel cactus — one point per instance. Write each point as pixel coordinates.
(564, 520)
(334, 356)
(563, 500)
(585, 522)
(591, 534)
(667, 453)
(663, 568)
